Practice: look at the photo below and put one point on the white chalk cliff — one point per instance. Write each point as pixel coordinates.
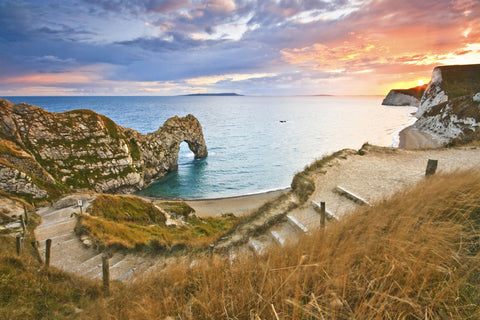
(450, 106)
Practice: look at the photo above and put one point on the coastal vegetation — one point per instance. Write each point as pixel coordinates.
(416, 255)
(131, 223)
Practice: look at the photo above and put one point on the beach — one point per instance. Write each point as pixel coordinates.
(411, 138)
(238, 206)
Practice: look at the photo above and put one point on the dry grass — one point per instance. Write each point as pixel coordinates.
(27, 291)
(415, 256)
(131, 223)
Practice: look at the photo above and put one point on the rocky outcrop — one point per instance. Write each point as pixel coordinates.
(450, 82)
(449, 108)
(81, 149)
(404, 97)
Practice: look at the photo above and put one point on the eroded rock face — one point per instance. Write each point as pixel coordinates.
(395, 98)
(404, 97)
(82, 149)
(450, 106)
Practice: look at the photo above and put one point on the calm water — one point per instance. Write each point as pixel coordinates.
(250, 150)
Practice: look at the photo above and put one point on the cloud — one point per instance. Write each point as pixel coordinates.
(305, 46)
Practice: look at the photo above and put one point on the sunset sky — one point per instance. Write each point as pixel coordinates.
(252, 47)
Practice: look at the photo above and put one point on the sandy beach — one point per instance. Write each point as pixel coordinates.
(411, 138)
(239, 206)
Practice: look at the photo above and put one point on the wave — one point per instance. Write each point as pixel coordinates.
(396, 133)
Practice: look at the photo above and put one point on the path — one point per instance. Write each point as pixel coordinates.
(377, 174)
(70, 254)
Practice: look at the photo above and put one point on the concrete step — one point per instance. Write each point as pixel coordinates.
(91, 263)
(284, 233)
(352, 196)
(259, 245)
(113, 261)
(330, 214)
(297, 223)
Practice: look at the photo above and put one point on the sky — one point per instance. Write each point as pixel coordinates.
(251, 47)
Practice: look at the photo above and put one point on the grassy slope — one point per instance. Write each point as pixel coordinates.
(412, 257)
(128, 222)
(461, 80)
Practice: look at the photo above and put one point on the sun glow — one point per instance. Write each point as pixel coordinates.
(421, 82)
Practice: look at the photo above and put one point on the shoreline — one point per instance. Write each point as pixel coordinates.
(237, 205)
(412, 138)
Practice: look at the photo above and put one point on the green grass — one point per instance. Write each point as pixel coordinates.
(178, 208)
(126, 209)
(461, 80)
(131, 223)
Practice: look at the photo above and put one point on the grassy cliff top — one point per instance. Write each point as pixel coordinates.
(460, 80)
(416, 92)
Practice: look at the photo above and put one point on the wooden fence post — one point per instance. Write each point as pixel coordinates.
(431, 167)
(25, 213)
(322, 215)
(19, 245)
(24, 227)
(36, 248)
(48, 246)
(106, 275)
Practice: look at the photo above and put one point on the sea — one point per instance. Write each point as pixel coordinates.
(255, 144)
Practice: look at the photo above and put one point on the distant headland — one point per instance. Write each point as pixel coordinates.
(223, 94)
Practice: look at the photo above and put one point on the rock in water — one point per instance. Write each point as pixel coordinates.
(44, 154)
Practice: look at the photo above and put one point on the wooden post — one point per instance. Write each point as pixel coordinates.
(106, 275)
(25, 213)
(431, 167)
(19, 245)
(48, 252)
(24, 227)
(322, 215)
(36, 248)
(210, 249)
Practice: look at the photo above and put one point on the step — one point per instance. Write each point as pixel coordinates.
(285, 231)
(297, 223)
(330, 214)
(352, 196)
(276, 236)
(87, 264)
(113, 261)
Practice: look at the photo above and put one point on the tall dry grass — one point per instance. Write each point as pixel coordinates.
(415, 256)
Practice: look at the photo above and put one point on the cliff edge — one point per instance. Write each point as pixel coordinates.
(404, 97)
(44, 154)
(449, 108)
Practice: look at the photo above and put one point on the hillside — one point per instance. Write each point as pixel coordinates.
(43, 154)
(415, 255)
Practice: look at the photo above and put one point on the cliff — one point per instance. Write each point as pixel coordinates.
(44, 154)
(449, 108)
(404, 97)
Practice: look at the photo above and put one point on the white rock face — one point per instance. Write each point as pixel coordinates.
(445, 124)
(434, 93)
(476, 97)
(395, 98)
